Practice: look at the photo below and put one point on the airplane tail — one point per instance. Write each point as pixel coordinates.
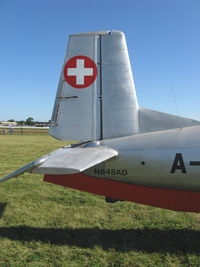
(96, 97)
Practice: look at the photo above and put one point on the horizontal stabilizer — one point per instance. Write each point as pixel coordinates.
(68, 160)
(27, 168)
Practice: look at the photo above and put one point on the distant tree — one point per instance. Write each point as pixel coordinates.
(21, 122)
(11, 120)
(29, 121)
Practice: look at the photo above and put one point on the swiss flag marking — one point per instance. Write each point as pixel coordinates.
(80, 71)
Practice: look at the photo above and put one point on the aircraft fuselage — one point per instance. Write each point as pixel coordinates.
(167, 159)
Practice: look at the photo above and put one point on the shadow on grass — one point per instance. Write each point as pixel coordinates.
(2, 208)
(147, 240)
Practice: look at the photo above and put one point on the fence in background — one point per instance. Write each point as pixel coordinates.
(23, 131)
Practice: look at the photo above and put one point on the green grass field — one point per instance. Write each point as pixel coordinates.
(43, 224)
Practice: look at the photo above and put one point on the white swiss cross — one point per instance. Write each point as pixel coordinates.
(80, 71)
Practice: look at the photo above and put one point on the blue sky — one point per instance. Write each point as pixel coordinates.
(162, 36)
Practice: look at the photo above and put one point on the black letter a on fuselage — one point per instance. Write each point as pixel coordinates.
(178, 164)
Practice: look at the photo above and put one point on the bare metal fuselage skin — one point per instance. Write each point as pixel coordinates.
(167, 159)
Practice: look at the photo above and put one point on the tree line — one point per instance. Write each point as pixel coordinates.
(30, 122)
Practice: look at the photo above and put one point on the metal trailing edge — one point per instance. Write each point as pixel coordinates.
(101, 89)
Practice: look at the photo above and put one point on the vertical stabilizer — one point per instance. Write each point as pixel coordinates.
(96, 96)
